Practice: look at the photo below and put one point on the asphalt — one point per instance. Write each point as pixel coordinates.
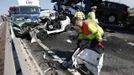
(119, 51)
(118, 59)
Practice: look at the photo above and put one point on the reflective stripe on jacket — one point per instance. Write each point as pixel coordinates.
(91, 30)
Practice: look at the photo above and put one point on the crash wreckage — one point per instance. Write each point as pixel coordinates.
(55, 23)
(50, 24)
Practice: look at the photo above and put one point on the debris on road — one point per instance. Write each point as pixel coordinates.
(131, 43)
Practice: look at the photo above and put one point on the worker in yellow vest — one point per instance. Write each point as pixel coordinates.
(90, 30)
(79, 14)
(91, 15)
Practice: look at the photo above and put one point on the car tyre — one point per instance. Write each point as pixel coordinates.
(112, 19)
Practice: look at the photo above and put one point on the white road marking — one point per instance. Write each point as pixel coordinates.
(1, 23)
(131, 43)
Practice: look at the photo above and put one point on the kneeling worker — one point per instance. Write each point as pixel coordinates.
(90, 30)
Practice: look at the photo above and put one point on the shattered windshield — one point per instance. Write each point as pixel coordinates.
(29, 10)
(21, 17)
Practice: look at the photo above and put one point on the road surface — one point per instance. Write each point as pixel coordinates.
(119, 51)
(118, 59)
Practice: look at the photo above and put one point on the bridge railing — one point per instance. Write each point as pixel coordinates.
(18, 58)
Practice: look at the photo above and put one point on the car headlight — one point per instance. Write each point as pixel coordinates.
(16, 27)
(18, 19)
(28, 20)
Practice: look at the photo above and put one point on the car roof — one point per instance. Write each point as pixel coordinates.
(116, 3)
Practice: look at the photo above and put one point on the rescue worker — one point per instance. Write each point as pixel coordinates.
(79, 14)
(91, 15)
(91, 31)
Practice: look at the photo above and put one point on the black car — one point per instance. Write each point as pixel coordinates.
(112, 13)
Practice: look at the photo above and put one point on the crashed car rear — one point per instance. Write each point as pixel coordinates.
(54, 24)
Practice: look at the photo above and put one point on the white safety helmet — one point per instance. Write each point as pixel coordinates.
(94, 7)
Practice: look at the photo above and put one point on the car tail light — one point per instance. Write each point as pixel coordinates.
(125, 13)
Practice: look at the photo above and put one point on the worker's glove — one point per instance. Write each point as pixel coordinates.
(100, 44)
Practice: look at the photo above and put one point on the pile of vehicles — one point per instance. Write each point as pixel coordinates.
(22, 22)
(22, 15)
(117, 15)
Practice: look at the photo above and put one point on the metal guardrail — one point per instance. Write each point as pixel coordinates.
(18, 59)
(9, 64)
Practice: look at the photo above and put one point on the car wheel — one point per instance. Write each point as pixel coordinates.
(112, 19)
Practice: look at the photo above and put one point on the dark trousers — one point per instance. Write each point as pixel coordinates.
(93, 44)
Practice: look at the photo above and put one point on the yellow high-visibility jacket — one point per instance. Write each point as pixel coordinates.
(91, 30)
(91, 15)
